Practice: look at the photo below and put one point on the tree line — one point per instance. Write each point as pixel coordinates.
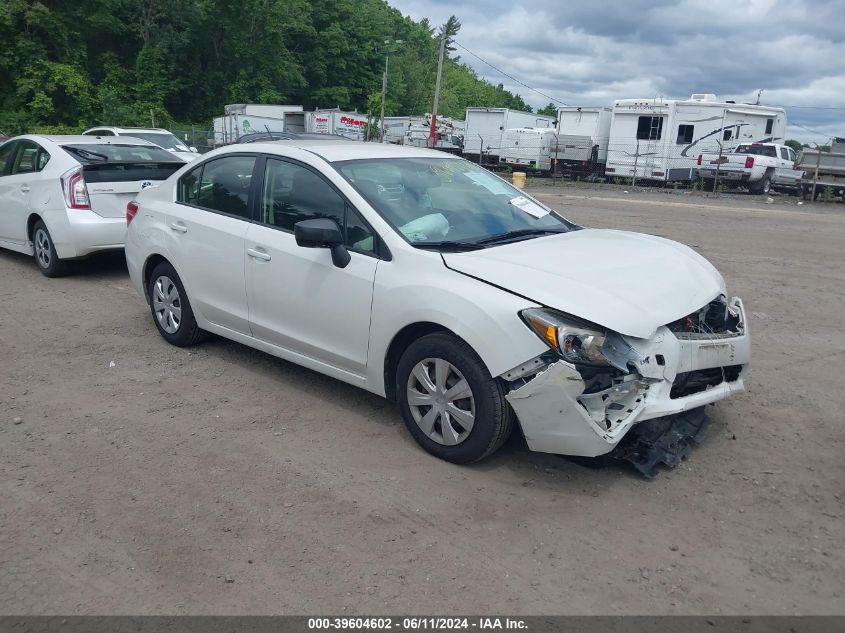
(70, 64)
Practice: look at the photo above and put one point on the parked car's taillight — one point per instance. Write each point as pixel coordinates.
(749, 162)
(131, 210)
(76, 193)
(698, 162)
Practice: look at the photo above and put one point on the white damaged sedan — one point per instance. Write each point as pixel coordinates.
(425, 279)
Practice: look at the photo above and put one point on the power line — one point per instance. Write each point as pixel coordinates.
(804, 127)
(815, 107)
(511, 77)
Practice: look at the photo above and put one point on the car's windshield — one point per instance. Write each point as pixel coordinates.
(444, 200)
(162, 139)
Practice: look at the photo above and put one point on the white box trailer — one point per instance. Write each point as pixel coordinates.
(529, 149)
(484, 128)
(335, 121)
(582, 137)
(660, 139)
(246, 118)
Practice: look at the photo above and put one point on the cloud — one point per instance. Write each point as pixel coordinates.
(590, 53)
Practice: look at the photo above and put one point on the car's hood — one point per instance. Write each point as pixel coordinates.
(628, 282)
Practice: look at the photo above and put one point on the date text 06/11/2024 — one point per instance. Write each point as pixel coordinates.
(416, 623)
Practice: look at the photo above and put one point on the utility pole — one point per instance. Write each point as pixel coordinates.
(433, 134)
(447, 32)
(387, 44)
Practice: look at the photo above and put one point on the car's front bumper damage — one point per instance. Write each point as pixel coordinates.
(567, 411)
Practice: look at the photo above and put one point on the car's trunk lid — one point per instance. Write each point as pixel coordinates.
(112, 185)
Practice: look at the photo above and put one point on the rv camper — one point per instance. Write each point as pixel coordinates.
(582, 137)
(660, 139)
(529, 148)
(485, 126)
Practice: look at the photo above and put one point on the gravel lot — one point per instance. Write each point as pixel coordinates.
(139, 478)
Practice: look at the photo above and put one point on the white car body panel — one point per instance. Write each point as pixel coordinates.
(628, 282)
(75, 232)
(341, 321)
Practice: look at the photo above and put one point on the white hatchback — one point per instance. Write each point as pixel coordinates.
(165, 139)
(423, 278)
(64, 197)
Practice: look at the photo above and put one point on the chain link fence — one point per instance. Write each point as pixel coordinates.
(195, 136)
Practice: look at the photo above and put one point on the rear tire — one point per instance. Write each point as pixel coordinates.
(171, 309)
(451, 404)
(762, 187)
(44, 252)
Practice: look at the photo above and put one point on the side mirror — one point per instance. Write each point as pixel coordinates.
(322, 233)
(193, 149)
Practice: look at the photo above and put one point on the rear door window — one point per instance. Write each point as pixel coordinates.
(224, 185)
(26, 158)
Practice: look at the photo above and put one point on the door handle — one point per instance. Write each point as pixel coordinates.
(25, 188)
(178, 226)
(264, 256)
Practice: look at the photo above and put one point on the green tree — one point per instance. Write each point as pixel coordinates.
(549, 110)
(67, 65)
(796, 145)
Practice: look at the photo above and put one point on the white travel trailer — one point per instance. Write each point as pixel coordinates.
(335, 121)
(660, 139)
(485, 126)
(245, 118)
(528, 147)
(582, 137)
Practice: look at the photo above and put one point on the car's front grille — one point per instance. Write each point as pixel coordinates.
(690, 382)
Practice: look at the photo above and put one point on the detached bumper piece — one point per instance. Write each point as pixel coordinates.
(668, 440)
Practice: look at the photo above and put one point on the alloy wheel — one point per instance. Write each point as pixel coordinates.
(42, 248)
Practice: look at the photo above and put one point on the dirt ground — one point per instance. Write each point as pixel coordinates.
(139, 478)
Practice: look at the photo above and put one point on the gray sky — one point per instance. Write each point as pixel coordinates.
(590, 52)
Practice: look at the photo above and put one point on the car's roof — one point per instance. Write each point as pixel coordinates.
(334, 151)
(146, 130)
(79, 139)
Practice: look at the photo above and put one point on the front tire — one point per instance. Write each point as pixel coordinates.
(171, 309)
(44, 252)
(451, 404)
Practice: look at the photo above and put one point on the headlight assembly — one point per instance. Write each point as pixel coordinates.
(576, 342)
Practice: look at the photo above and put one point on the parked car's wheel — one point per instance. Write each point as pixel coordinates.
(171, 309)
(45, 255)
(451, 405)
(764, 186)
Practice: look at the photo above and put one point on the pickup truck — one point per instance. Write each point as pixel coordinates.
(757, 166)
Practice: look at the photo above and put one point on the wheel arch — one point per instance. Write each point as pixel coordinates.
(31, 222)
(399, 343)
(149, 265)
